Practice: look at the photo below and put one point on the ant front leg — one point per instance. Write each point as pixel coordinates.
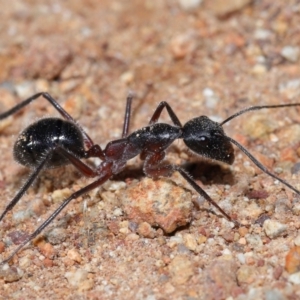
(170, 111)
(154, 168)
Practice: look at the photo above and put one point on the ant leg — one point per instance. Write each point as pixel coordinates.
(171, 113)
(77, 163)
(153, 169)
(261, 166)
(82, 167)
(25, 187)
(75, 195)
(87, 140)
(127, 115)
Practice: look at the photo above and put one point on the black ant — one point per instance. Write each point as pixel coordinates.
(53, 142)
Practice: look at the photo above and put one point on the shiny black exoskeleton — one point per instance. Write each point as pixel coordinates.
(48, 135)
(54, 142)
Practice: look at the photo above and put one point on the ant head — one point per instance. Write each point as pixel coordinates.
(207, 138)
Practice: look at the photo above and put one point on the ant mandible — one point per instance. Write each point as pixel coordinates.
(53, 142)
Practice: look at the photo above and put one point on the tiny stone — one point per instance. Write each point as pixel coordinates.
(223, 8)
(190, 242)
(75, 278)
(290, 53)
(273, 228)
(183, 45)
(274, 295)
(189, 5)
(181, 269)
(201, 239)
(132, 237)
(74, 255)
(24, 262)
(2, 247)
(246, 274)
(10, 274)
(259, 69)
(118, 212)
(146, 230)
(262, 34)
(294, 278)
(292, 260)
(60, 195)
(48, 263)
(157, 202)
(57, 236)
(46, 249)
(174, 241)
(297, 240)
(127, 77)
(114, 185)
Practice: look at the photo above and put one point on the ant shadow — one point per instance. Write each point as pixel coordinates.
(206, 171)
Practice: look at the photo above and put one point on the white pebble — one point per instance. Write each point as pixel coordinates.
(273, 228)
(297, 240)
(294, 278)
(189, 4)
(290, 53)
(75, 278)
(262, 34)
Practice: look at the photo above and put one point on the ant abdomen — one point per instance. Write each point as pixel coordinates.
(45, 135)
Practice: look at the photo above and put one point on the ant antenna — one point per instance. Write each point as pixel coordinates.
(252, 108)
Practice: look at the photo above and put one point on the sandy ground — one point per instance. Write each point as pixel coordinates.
(139, 238)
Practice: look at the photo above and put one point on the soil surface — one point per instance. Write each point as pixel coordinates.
(137, 237)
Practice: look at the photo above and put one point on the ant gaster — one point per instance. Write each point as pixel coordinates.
(53, 142)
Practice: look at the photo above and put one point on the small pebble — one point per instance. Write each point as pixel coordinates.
(290, 53)
(246, 274)
(145, 230)
(48, 263)
(274, 295)
(57, 235)
(182, 45)
(294, 278)
(189, 5)
(297, 240)
(222, 8)
(46, 249)
(157, 202)
(273, 228)
(2, 247)
(262, 34)
(132, 237)
(118, 212)
(190, 241)
(259, 69)
(74, 255)
(181, 269)
(292, 260)
(24, 262)
(10, 274)
(75, 278)
(18, 236)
